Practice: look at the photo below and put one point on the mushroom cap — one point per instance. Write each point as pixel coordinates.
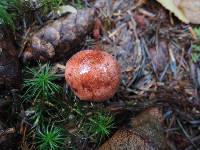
(93, 75)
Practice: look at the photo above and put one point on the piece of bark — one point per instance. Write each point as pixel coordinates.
(57, 39)
(145, 133)
(10, 72)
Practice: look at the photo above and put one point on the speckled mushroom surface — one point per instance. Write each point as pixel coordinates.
(93, 75)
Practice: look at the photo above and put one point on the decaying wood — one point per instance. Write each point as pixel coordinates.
(60, 36)
(145, 133)
(9, 64)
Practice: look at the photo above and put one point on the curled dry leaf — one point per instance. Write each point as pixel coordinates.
(145, 133)
(187, 11)
(66, 9)
(58, 37)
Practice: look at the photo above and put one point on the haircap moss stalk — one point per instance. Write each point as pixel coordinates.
(8, 12)
(197, 32)
(50, 138)
(41, 83)
(196, 47)
(78, 4)
(196, 53)
(98, 126)
(51, 4)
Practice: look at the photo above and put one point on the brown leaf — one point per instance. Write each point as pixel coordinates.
(190, 8)
(160, 57)
(59, 36)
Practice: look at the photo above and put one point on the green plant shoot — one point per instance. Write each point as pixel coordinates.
(50, 138)
(41, 84)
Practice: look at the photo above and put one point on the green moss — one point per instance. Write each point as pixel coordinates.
(195, 53)
(196, 47)
(8, 12)
(41, 83)
(78, 4)
(51, 4)
(50, 138)
(98, 126)
(197, 31)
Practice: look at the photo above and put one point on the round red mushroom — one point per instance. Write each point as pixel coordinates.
(93, 75)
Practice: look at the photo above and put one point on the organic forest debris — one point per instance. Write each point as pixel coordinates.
(10, 70)
(155, 52)
(164, 47)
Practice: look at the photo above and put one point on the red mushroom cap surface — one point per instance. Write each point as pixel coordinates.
(93, 75)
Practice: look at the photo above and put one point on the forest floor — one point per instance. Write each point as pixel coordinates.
(160, 70)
